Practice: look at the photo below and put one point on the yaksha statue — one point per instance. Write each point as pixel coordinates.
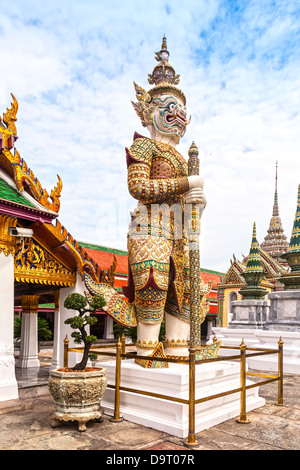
(158, 251)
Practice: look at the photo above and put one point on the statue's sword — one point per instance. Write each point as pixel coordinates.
(196, 318)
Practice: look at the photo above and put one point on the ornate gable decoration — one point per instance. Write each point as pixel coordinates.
(271, 266)
(233, 275)
(23, 176)
(85, 263)
(34, 264)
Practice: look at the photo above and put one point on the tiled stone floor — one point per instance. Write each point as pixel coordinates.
(26, 425)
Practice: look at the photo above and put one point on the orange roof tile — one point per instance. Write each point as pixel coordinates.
(106, 259)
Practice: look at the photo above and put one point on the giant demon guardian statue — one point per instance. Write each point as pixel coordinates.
(158, 249)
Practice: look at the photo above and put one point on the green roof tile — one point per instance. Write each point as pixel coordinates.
(295, 238)
(8, 193)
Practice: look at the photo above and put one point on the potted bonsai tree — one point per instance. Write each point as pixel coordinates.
(78, 391)
(81, 321)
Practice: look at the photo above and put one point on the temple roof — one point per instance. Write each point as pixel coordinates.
(23, 199)
(105, 256)
(275, 242)
(15, 166)
(270, 266)
(20, 203)
(9, 193)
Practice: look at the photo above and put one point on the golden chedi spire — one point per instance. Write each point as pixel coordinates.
(292, 279)
(254, 272)
(275, 242)
(295, 238)
(254, 264)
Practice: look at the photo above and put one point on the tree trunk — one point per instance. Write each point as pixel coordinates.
(82, 364)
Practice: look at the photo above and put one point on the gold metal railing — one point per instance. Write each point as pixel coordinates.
(120, 355)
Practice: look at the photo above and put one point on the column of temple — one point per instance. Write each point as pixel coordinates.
(29, 352)
(8, 383)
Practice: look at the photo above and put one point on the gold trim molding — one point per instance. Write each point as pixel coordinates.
(34, 264)
(7, 242)
(146, 344)
(175, 343)
(85, 263)
(30, 303)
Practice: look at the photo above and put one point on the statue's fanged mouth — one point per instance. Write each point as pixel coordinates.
(175, 117)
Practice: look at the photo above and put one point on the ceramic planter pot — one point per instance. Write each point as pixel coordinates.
(77, 395)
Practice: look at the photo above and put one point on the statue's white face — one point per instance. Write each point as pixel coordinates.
(169, 116)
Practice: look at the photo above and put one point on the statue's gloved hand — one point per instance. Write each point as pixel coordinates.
(195, 195)
(196, 181)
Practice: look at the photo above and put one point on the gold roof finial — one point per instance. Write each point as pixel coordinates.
(10, 117)
(163, 74)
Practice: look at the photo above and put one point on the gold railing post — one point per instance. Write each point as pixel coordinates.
(66, 351)
(280, 372)
(192, 373)
(243, 417)
(123, 344)
(116, 418)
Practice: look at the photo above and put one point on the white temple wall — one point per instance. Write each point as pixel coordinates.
(61, 330)
(8, 382)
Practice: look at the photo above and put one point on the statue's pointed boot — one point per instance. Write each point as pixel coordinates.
(150, 363)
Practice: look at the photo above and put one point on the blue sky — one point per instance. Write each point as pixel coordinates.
(71, 66)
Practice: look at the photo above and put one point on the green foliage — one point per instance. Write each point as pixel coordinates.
(97, 302)
(91, 320)
(75, 322)
(77, 337)
(93, 356)
(131, 332)
(162, 333)
(79, 322)
(91, 339)
(44, 332)
(75, 302)
(17, 327)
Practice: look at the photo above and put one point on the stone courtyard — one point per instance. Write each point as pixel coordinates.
(26, 425)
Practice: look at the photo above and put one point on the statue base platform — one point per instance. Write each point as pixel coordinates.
(169, 416)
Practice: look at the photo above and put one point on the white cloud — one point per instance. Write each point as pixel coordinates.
(71, 66)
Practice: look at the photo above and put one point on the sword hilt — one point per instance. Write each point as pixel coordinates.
(193, 161)
(193, 169)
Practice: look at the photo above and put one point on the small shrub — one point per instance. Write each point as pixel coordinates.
(79, 303)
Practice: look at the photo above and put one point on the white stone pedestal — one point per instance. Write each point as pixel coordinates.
(291, 351)
(249, 313)
(284, 311)
(262, 339)
(169, 416)
(233, 337)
